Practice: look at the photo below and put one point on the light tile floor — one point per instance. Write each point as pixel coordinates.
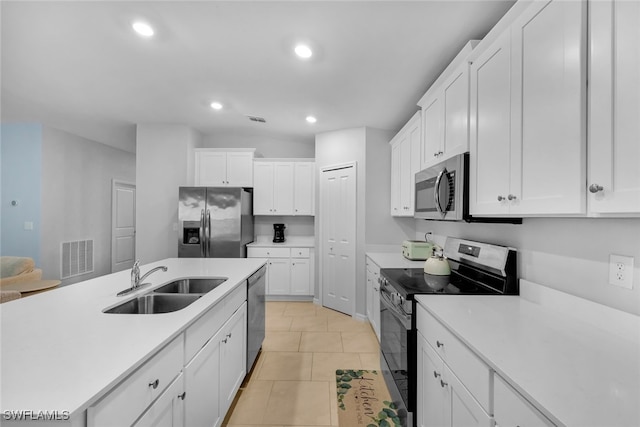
(293, 380)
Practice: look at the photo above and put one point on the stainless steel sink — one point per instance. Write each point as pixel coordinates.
(191, 286)
(154, 303)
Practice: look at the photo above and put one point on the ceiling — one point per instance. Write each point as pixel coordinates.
(79, 67)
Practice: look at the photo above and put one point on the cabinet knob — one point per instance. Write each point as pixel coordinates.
(439, 344)
(154, 384)
(443, 384)
(435, 154)
(183, 395)
(229, 335)
(225, 340)
(595, 188)
(501, 198)
(511, 197)
(436, 375)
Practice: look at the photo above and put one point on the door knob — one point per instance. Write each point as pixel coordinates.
(595, 188)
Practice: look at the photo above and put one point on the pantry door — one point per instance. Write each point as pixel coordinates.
(338, 237)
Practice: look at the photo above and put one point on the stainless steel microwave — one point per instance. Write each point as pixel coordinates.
(441, 191)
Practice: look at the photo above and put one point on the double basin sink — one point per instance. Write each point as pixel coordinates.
(170, 297)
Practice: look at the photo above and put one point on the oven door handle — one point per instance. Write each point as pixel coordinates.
(400, 314)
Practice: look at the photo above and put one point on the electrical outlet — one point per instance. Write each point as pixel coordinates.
(621, 271)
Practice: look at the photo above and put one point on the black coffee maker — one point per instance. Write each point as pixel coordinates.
(278, 233)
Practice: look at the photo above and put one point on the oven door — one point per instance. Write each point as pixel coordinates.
(395, 349)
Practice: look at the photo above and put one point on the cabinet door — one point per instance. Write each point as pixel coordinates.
(490, 144)
(456, 112)
(202, 408)
(406, 181)
(263, 188)
(432, 400)
(300, 276)
(233, 357)
(376, 304)
(168, 410)
(283, 188)
(396, 171)
(279, 275)
(414, 139)
(511, 409)
(614, 128)
(464, 409)
(304, 188)
(369, 295)
(211, 168)
(240, 169)
(548, 156)
(432, 131)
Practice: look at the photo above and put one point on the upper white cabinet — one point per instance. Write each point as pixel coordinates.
(614, 108)
(283, 188)
(215, 167)
(405, 163)
(528, 98)
(445, 112)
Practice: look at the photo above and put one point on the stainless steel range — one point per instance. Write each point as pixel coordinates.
(476, 269)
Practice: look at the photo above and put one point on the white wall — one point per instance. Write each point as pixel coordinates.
(369, 149)
(77, 175)
(568, 254)
(265, 146)
(164, 162)
(295, 225)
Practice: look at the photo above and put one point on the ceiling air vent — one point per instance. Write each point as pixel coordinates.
(257, 119)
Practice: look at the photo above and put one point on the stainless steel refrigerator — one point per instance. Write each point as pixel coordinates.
(214, 222)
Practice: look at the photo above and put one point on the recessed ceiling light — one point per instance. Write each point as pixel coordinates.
(143, 28)
(311, 119)
(216, 105)
(303, 51)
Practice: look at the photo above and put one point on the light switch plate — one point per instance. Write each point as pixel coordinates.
(621, 271)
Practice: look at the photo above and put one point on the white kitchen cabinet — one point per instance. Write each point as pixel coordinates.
(283, 188)
(289, 269)
(233, 360)
(465, 381)
(202, 385)
(531, 82)
(168, 410)
(373, 296)
(405, 163)
(614, 108)
(512, 409)
(442, 399)
(224, 168)
(445, 112)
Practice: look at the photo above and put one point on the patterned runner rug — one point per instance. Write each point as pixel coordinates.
(364, 400)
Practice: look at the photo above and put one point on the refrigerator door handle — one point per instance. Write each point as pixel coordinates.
(208, 233)
(202, 231)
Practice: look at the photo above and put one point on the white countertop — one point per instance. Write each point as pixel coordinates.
(61, 352)
(576, 373)
(290, 241)
(393, 260)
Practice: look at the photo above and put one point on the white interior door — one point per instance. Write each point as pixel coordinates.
(338, 237)
(123, 225)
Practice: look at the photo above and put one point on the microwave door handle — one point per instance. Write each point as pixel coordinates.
(436, 188)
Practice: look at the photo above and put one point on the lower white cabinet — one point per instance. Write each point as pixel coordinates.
(442, 399)
(233, 356)
(168, 410)
(201, 377)
(511, 409)
(289, 269)
(373, 296)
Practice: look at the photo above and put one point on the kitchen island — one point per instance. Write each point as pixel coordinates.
(61, 353)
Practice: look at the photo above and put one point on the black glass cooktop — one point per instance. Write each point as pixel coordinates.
(410, 281)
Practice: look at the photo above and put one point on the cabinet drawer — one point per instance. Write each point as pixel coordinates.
(511, 409)
(235, 300)
(197, 335)
(253, 252)
(471, 371)
(299, 252)
(127, 401)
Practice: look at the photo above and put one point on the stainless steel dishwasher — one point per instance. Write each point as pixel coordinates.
(256, 284)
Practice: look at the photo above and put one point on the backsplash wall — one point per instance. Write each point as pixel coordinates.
(295, 225)
(568, 254)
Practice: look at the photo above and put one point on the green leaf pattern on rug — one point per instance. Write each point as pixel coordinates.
(387, 417)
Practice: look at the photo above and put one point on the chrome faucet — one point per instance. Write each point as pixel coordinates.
(136, 279)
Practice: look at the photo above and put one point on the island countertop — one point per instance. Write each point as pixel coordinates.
(60, 352)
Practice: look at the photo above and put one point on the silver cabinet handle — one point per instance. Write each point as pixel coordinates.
(436, 375)
(154, 384)
(225, 340)
(595, 188)
(443, 384)
(501, 198)
(229, 335)
(439, 344)
(511, 197)
(183, 395)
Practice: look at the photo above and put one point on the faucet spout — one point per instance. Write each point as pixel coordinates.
(136, 280)
(148, 273)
